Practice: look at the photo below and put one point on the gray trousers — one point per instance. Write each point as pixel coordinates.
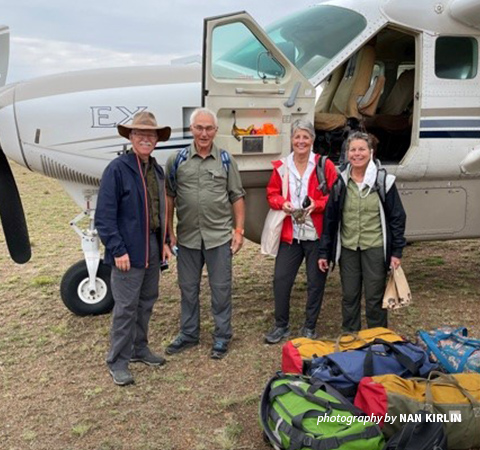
(365, 267)
(190, 263)
(134, 293)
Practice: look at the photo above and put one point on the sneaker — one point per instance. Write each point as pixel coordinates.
(122, 377)
(308, 333)
(219, 350)
(149, 358)
(277, 334)
(179, 345)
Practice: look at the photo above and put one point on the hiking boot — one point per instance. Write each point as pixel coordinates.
(308, 333)
(149, 358)
(219, 350)
(179, 345)
(277, 334)
(122, 377)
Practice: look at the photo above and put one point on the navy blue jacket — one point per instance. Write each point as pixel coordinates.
(121, 216)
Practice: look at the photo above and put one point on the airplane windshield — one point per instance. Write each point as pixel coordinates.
(309, 39)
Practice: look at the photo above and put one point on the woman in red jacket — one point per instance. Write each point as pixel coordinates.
(302, 227)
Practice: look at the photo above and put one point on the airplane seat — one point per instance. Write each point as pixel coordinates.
(394, 115)
(331, 84)
(401, 94)
(352, 88)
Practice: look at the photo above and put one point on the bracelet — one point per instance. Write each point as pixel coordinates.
(239, 231)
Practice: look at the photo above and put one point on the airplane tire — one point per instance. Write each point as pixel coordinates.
(76, 296)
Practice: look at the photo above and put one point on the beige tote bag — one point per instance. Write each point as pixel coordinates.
(272, 228)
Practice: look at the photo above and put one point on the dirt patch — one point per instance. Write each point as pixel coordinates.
(56, 392)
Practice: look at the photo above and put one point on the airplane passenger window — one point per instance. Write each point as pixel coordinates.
(237, 53)
(456, 58)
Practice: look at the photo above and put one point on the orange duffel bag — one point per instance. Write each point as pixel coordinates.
(296, 351)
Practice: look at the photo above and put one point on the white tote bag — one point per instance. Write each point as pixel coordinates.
(272, 228)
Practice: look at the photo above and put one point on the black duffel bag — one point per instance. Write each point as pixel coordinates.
(421, 435)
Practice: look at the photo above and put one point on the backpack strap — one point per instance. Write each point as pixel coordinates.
(225, 156)
(322, 180)
(181, 157)
(380, 184)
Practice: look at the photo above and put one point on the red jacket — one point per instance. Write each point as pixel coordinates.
(276, 200)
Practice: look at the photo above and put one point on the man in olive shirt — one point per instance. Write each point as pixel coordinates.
(205, 186)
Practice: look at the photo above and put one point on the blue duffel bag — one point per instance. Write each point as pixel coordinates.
(344, 370)
(452, 348)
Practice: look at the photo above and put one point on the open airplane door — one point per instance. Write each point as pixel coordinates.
(255, 89)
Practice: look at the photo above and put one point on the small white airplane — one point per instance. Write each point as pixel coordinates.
(406, 71)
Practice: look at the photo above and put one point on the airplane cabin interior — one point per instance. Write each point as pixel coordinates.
(373, 91)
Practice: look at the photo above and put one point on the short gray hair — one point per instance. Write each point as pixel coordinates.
(302, 124)
(360, 135)
(200, 111)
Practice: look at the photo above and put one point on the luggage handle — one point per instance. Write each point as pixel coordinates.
(353, 338)
(403, 360)
(448, 380)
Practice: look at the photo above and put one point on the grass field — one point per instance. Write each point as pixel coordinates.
(55, 391)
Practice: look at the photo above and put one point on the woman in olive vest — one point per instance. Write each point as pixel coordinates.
(363, 231)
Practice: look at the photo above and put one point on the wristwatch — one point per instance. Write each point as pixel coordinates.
(240, 231)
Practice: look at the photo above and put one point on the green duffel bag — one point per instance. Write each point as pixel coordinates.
(300, 413)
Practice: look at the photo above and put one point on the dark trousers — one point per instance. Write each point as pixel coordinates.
(287, 263)
(134, 293)
(190, 263)
(367, 268)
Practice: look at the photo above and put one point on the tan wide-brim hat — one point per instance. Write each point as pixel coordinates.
(145, 121)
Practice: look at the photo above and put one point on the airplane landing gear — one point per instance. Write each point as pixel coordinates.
(77, 295)
(85, 287)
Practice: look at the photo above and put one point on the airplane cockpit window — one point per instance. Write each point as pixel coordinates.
(237, 53)
(456, 58)
(310, 32)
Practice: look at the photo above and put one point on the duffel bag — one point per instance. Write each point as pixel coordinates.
(296, 351)
(421, 435)
(451, 399)
(452, 348)
(344, 370)
(299, 413)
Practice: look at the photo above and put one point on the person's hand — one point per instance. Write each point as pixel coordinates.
(167, 252)
(173, 240)
(123, 263)
(395, 263)
(311, 208)
(237, 242)
(323, 264)
(287, 207)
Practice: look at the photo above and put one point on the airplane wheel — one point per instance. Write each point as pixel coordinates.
(78, 298)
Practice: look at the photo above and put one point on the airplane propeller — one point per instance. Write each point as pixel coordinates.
(12, 216)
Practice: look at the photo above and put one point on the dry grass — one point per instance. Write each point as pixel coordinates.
(56, 392)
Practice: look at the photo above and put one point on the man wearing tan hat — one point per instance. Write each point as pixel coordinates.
(131, 222)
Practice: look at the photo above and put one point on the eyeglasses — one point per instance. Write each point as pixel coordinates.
(200, 129)
(147, 134)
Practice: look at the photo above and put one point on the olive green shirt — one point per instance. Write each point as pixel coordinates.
(361, 222)
(204, 193)
(152, 193)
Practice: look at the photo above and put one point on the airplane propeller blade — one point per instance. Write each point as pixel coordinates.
(12, 216)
